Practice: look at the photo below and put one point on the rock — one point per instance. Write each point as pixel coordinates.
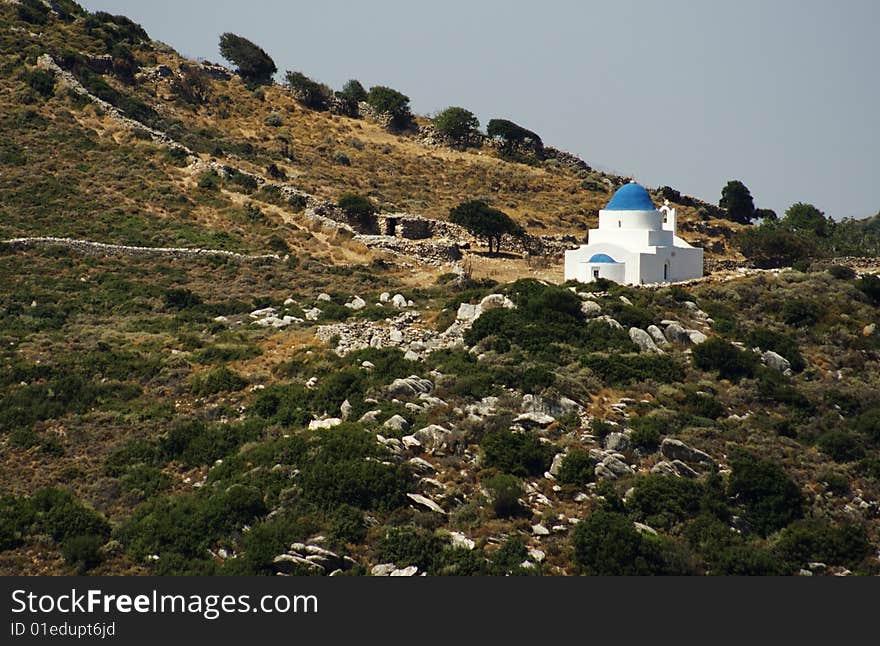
(410, 386)
(696, 337)
(868, 330)
(625, 300)
(384, 297)
(591, 309)
(461, 541)
(556, 465)
(468, 312)
(536, 555)
(658, 336)
(407, 571)
(421, 465)
(293, 564)
(266, 311)
(356, 303)
(412, 355)
(370, 417)
(674, 468)
(312, 314)
(433, 438)
(677, 334)
(534, 420)
(540, 530)
(399, 301)
(367, 365)
(610, 321)
(383, 569)
(345, 409)
(673, 449)
(777, 362)
(611, 468)
(496, 301)
(289, 301)
(324, 424)
(397, 423)
(644, 341)
(641, 528)
(221, 319)
(556, 408)
(324, 297)
(616, 441)
(424, 501)
(395, 336)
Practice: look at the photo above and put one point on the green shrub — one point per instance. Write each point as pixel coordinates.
(868, 424)
(663, 501)
(457, 124)
(577, 468)
(360, 210)
(16, 519)
(83, 552)
(619, 370)
(145, 480)
(392, 103)
(508, 558)
(505, 491)
(778, 342)
(842, 446)
(818, 540)
(308, 92)
(869, 285)
(647, 432)
(801, 312)
(770, 497)
(195, 443)
(59, 514)
(517, 453)
(360, 483)
(41, 81)
(218, 380)
(484, 221)
(406, 546)
(716, 354)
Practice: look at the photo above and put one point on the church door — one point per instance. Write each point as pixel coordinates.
(666, 271)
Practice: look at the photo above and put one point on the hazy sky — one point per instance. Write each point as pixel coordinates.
(781, 94)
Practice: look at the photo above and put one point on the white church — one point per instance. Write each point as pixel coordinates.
(635, 244)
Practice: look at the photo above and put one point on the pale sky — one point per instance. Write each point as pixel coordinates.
(781, 94)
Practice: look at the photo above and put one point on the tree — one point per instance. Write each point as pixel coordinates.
(388, 101)
(308, 92)
(253, 64)
(457, 124)
(354, 91)
(512, 135)
(806, 218)
(360, 210)
(769, 246)
(484, 221)
(737, 199)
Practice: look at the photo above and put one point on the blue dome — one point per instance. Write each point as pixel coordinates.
(631, 197)
(602, 257)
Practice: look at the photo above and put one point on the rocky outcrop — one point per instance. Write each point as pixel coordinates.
(673, 449)
(644, 341)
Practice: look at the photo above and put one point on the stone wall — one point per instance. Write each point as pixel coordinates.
(87, 247)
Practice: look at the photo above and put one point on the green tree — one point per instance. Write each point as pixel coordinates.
(769, 246)
(360, 210)
(513, 136)
(308, 92)
(253, 64)
(484, 221)
(457, 124)
(737, 200)
(354, 91)
(386, 100)
(806, 218)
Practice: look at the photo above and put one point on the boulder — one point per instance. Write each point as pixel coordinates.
(383, 569)
(461, 541)
(644, 341)
(324, 424)
(395, 335)
(496, 301)
(591, 309)
(696, 337)
(658, 336)
(610, 321)
(616, 441)
(370, 417)
(410, 386)
(534, 420)
(262, 313)
(407, 571)
(424, 501)
(312, 314)
(468, 312)
(384, 297)
(396, 423)
(399, 301)
(674, 468)
(356, 303)
(345, 409)
(675, 333)
(433, 437)
(673, 449)
(777, 362)
(556, 408)
(556, 465)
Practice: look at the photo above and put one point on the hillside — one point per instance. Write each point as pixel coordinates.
(324, 399)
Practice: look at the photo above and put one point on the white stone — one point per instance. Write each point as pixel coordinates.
(324, 424)
(395, 336)
(356, 303)
(324, 297)
(384, 297)
(425, 502)
(399, 301)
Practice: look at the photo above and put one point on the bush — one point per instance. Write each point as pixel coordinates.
(662, 501)
(869, 285)
(196, 443)
(778, 342)
(806, 218)
(513, 137)
(505, 491)
(16, 518)
(392, 103)
(253, 63)
(868, 423)
(308, 92)
(737, 200)
(59, 514)
(619, 370)
(769, 246)
(727, 360)
(274, 120)
(647, 431)
(353, 91)
(218, 380)
(577, 468)
(841, 446)
(517, 453)
(406, 546)
(457, 124)
(41, 81)
(770, 497)
(360, 210)
(508, 558)
(801, 312)
(83, 552)
(818, 540)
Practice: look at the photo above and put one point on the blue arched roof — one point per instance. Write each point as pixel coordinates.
(631, 197)
(602, 257)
